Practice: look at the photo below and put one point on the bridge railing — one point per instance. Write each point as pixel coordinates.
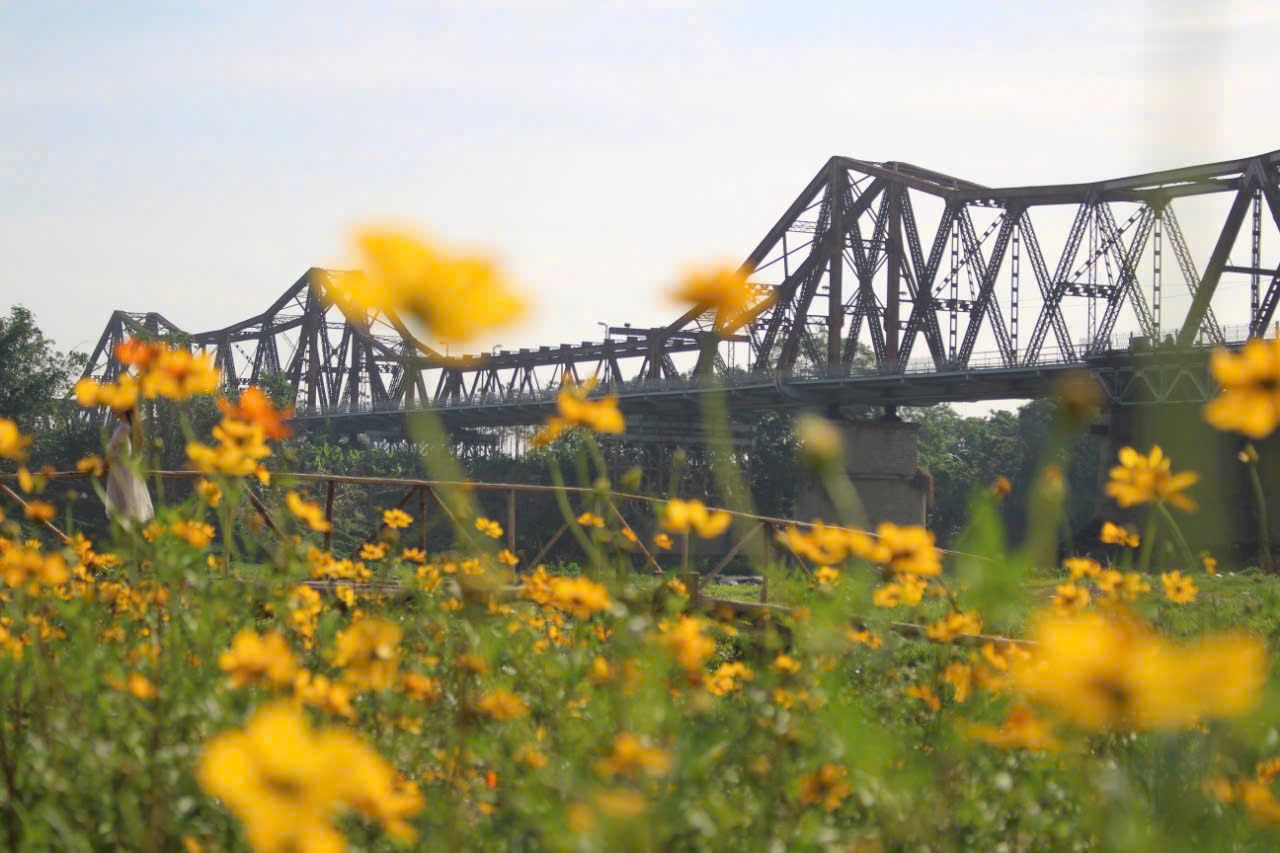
(981, 361)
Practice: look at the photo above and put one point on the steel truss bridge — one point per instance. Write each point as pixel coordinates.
(882, 283)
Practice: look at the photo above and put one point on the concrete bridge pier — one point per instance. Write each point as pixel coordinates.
(880, 461)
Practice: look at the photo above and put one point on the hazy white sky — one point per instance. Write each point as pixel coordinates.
(195, 159)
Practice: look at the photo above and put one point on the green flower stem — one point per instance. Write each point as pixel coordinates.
(1172, 523)
(1264, 519)
(1148, 544)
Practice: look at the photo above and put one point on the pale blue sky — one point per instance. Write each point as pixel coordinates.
(196, 159)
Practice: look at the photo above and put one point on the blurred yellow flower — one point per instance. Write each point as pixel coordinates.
(259, 659)
(197, 534)
(579, 596)
(373, 551)
(368, 652)
(724, 289)
(501, 704)
(1020, 730)
(728, 678)
(631, 756)
(209, 491)
(287, 782)
(1140, 479)
(1114, 534)
(827, 787)
(240, 449)
(455, 296)
(1179, 588)
(1105, 671)
(312, 514)
(573, 409)
(689, 643)
(925, 694)
(1249, 401)
(396, 519)
(489, 528)
(13, 443)
(1068, 597)
(953, 625)
(680, 516)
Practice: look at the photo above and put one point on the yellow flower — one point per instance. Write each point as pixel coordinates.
(663, 541)
(13, 444)
(826, 576)
(724, 289)
(1082, 567)
(287, 782)
(573, 409)
(903, 550)
(693, 516)
(1249, 402)
(420, 687)
(688, 642)
(955, 624)
(240, 449)
(1020, 730)
(369, 653)
(1114, 534)
(121, 396)
(91, 465)
(590, 519)
(507, 558)
(197, 534)
(728, 678)
(1209, 562)
(1105, 671)
(1068, 597)
(489, 528)
(259, 659)
(862, 636)
(1001, 487)
(39, 511)
(311, 513)
(320, 692)
(1134, 585)
(255, 407)
(1142, 479)
(828, 787)
(501, 704)
(138, 685)
(1179, 588)
(631, 756)
(786, 664)
(414, 555)
(209, 492)
(926, 695)
(396, 519)
(177, 374)
(960, 677)
(456, 296)
(579, 596)
(373, 551)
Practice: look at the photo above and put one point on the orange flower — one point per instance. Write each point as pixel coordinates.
(256, 407)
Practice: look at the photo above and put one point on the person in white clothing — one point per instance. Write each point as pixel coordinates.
(128, 501)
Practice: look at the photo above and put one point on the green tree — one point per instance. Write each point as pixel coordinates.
(34, 376)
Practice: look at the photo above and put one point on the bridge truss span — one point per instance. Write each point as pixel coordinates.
(881, 281)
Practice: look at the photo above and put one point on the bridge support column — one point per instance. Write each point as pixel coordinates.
(880, 461)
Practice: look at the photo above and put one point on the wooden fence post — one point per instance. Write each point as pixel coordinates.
(511, 520)
(422, 519)
(328, 514)
(693, 583)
